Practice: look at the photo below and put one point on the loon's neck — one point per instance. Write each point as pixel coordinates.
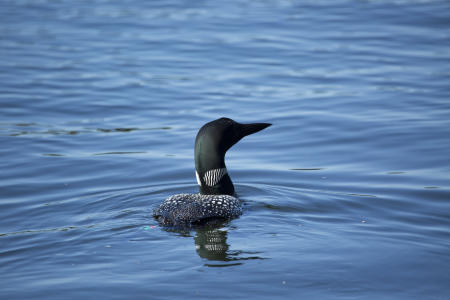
(211, 172)
(215, 182)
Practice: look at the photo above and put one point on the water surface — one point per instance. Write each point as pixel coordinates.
(346, 195)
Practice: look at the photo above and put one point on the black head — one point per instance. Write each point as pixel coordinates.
(212, 142)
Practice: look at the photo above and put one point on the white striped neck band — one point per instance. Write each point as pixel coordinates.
(212, 177)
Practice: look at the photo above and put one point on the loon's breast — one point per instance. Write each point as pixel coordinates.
(189, 209)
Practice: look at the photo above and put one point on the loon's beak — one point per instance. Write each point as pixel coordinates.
(247, 129)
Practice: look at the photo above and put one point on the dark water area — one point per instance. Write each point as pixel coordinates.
(346, 196)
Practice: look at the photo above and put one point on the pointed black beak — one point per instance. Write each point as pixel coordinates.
(247, 129)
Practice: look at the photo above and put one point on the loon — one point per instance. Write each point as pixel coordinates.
(217, 199)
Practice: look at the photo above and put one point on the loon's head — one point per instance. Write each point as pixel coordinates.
(212, 142)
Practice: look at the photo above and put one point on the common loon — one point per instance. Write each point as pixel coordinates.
(216, 200)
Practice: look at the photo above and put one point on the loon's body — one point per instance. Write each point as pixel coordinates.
(216, 200)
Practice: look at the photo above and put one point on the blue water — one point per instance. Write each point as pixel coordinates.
(347, 195)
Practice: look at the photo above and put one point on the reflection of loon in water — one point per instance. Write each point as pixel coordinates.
(216, 200)
(211, 243)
